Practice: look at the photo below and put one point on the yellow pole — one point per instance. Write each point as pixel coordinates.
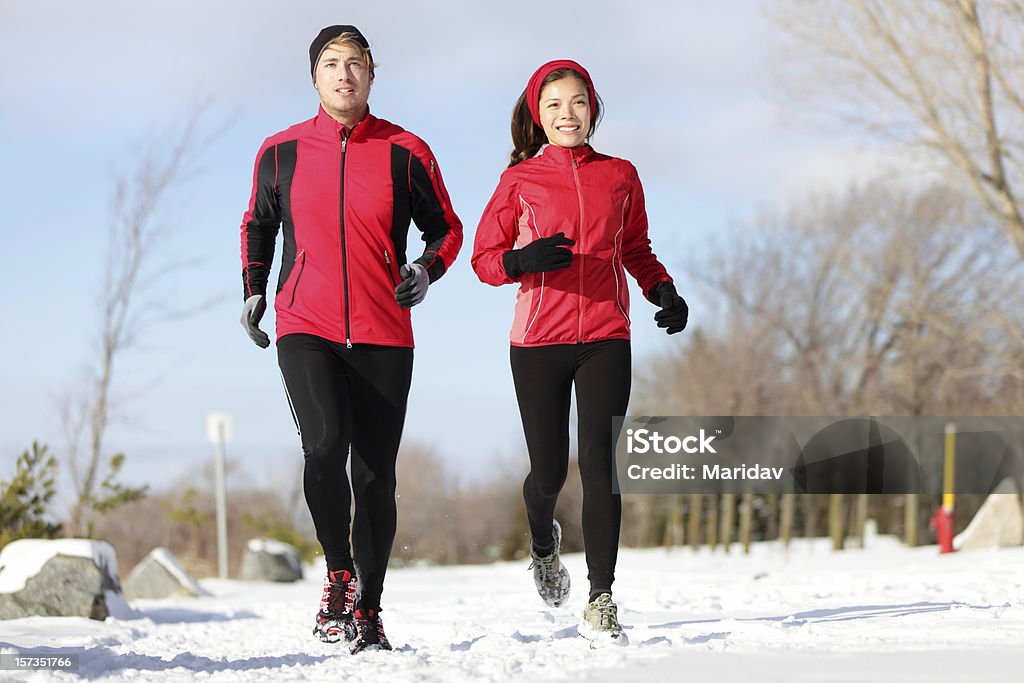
(949, 471)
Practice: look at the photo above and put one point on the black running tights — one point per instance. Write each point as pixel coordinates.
(340, 397)
(544, 376)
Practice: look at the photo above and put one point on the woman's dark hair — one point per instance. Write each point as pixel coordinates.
(527, 136)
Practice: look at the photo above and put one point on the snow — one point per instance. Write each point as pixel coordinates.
(22, 559)
(167, 561)
(884, 613)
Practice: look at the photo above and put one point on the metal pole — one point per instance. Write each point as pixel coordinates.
(943, 519)
(222, 507)
(949, 470)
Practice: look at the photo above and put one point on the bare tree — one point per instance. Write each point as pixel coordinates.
(882, 300)
(944, 76)
(129, 306)
(876, 301)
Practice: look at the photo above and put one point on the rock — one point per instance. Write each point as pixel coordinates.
(159, 575)
(999, 522)
(65, 577)
(269, 560)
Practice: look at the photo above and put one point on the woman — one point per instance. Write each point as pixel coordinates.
(563, 223)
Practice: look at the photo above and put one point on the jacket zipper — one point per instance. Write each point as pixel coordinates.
(302, 266)
(344, 251)
(579, 253)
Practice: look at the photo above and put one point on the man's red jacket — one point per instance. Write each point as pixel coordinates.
(344, 200)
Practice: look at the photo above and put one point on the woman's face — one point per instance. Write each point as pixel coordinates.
(565, 112)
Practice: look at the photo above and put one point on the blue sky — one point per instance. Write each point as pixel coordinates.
(688, 98)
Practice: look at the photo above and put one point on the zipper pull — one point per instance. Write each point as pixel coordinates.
(348, 343)
(387, 258)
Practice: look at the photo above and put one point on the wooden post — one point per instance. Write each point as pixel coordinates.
(910, 523)
(693, 527)
(786, 518)
(674, 522)
(643, 513)
(836, 527)
(711, 527)
(809, 504)
(772, 518)
(860, 518)
(728, 519)
(746, 520)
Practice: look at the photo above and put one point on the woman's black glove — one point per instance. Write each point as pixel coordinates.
(539, 256)
(674, 311)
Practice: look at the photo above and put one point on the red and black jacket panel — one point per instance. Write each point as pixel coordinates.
(344, 201)
(596, 200)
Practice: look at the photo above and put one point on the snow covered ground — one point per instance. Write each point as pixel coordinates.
(884, 614)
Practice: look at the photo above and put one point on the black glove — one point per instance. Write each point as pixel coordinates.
(413, 288)
(252, 313)
(674, 311)
(539, 256)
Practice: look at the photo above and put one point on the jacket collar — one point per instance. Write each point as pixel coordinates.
(332, 129)
(566, 155)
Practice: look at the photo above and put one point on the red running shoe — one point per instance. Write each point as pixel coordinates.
(334, 620)
(369, 632)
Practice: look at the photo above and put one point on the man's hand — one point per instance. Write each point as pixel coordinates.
(252, 312)
(413, 287)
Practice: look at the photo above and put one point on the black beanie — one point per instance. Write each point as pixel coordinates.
(327, 35)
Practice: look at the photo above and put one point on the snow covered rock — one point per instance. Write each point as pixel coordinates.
(268, 560)
(65, 577)
(159, 575)
(999, 522)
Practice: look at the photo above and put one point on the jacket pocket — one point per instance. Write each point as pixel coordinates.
(301, 260)
(536, 301)
(392, 268)
(620, 278)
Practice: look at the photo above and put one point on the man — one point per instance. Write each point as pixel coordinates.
(344, 187)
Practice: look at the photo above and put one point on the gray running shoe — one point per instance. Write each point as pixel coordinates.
(600, 623)
(549, 576)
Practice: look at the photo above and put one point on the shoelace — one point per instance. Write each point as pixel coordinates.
(368, 621)
(606, 611)
(337, 596)
(548, 570)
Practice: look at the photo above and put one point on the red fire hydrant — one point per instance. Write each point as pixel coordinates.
(942, 522)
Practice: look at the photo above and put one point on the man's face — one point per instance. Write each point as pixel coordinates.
(343, 81)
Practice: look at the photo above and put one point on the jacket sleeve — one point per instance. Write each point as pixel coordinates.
(637, 255)
(496, 234)
(433, 214)
(260, 224)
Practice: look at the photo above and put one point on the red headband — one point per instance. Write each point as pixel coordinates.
(533, 87)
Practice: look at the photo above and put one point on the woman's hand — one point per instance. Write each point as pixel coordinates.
(674, 311)
(539, 256)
